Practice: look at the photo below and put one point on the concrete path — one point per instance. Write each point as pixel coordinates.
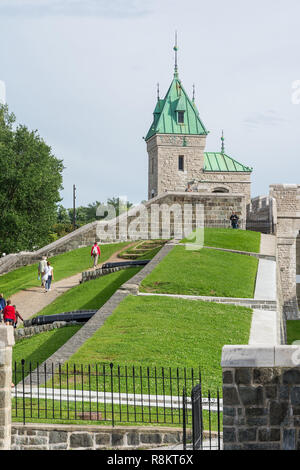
(30, 301)
(88, 329)
(208, 444)
(268, 244)
(263, 328)
(265, 288)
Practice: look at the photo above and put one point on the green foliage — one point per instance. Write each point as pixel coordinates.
(293, 331)
(87, 214)
(30, 181)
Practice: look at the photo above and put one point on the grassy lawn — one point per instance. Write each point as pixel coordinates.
(39, 347)
(203, 272)
(243, 240)
(160, 331)
(65, 265)
(89, 295)
(293, 331)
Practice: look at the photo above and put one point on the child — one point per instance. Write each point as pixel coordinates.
(17, 316)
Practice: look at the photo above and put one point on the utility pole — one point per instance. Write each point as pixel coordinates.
(74, 207)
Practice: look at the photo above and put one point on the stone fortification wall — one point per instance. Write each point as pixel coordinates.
(261, 214)
(166, 216)
(287, 197)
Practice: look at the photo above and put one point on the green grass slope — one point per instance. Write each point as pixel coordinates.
(90, 295)
(203, 272)
(241, 240)
(160, 331)
(65, 265)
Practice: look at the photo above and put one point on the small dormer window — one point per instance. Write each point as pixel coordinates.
(180, 117)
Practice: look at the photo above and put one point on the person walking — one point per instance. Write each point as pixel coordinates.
(2, 306)
(9, 314)
(95, 253)
(50, 277)
(234, 220)
(17, 316)
(42, 270)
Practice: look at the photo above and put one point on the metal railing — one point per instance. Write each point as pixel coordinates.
(105, 394)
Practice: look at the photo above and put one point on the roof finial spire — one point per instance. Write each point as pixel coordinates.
(193, 92)
(175, 48)
(223, 146)
(158, 92)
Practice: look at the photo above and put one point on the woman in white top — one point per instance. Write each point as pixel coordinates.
(48, 276)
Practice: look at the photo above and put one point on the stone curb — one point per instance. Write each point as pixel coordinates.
(239, 252)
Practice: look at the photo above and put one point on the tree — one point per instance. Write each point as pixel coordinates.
(30, 181)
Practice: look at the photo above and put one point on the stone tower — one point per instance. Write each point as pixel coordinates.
(175, 141)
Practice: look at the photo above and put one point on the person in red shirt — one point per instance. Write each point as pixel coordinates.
(9, 314)
(95, 253)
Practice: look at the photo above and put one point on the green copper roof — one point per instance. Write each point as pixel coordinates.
(165, 119)
(215, 161)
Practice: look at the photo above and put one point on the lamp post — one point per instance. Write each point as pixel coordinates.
(74, 207)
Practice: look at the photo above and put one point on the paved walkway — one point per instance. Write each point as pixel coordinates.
(265, 288)
(97, 320)
(268, 244)
(31, 301)
(263, 328)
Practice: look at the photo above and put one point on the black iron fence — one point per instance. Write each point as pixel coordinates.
(113, 395)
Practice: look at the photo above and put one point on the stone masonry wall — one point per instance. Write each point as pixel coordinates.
(86, 437)
(163, 151)
(6, 344)
(287, 197)
(143, 222)
(261, 398)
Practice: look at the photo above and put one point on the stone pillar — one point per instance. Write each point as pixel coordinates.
(261, 398)
(6, 343)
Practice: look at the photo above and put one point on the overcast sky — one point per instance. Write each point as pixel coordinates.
(84, 74)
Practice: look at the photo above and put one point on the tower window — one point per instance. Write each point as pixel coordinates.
(180, 117)
(181, 163)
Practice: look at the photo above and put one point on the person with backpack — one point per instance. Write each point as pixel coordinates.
(95, 253)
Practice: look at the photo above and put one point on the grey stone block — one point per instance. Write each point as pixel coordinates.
(291, 376)
(289, 439)
(150, 438)
(230, 396)
(243, 376)
(117, 439)
(229, 434)
(247, 434)
(227, 377)
(57, 437)
(278, 413)
(133, 439)
(102, 439)
(83, 439)
(295, 396)
(251, 395)
(266, 434)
